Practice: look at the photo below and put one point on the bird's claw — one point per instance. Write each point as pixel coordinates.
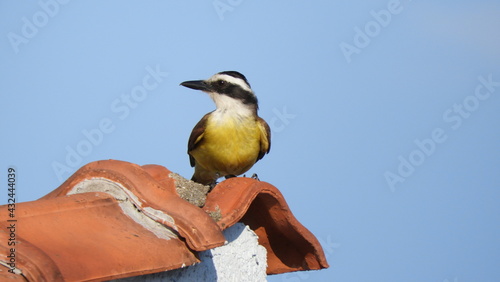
(255, 176)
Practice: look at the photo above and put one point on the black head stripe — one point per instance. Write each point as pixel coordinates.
(235, 74)
(237, 92)
(233, 90)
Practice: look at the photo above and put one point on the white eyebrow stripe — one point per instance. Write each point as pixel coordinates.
(231, 79)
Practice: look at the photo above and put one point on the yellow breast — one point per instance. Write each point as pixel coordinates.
(229, 145)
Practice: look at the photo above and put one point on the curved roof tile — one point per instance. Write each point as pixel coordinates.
(260, 205)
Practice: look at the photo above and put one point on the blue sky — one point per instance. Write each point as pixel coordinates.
(384, 114)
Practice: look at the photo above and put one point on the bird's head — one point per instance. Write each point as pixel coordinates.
(230, 90)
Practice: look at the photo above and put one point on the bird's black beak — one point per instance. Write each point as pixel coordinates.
(197, 85)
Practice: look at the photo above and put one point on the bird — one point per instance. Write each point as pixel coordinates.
(228, 141)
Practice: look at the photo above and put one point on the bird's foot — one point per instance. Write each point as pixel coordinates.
(254, 176)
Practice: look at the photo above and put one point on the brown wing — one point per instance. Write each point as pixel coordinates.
(265, 138)
(196, 136)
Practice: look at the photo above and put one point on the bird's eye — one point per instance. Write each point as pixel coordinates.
(221, 82)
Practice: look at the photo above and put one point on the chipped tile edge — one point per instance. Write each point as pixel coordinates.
(130, 205)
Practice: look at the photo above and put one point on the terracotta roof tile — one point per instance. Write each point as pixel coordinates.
(114, 219)
(87, 236)
(153, 198)
(290, 246)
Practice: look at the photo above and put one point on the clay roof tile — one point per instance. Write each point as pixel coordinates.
(260, 205)
(114, 219)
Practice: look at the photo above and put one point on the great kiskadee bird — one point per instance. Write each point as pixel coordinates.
(231, 139)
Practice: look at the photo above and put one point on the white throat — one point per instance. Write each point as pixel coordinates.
(229, 106)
